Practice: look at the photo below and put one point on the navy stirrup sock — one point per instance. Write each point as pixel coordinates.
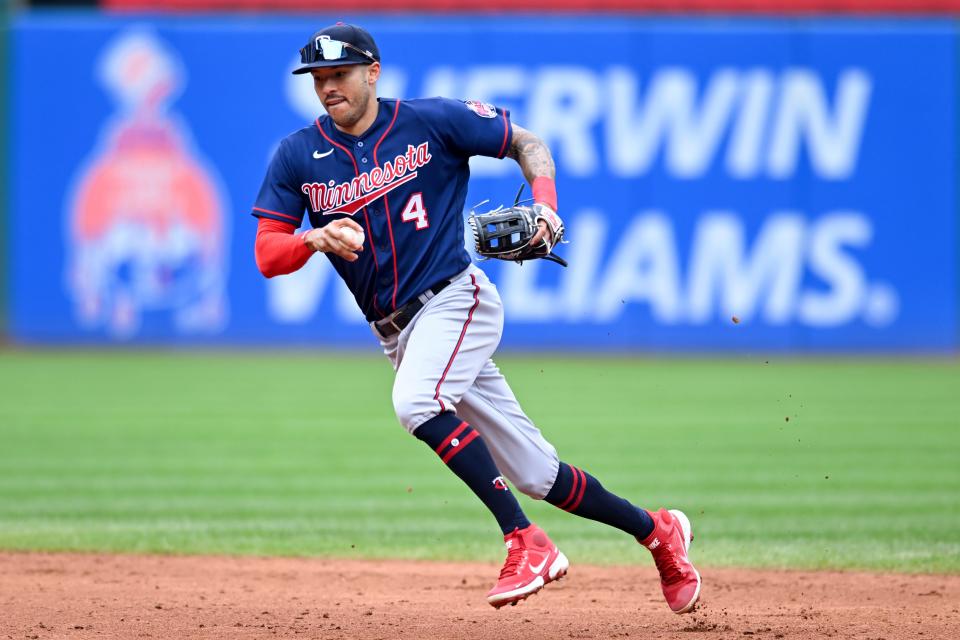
(578, 492)
(464, 452)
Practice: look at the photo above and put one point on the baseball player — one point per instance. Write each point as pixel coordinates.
(383, 182)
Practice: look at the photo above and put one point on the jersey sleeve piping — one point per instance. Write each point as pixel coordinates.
(506, 133)
(283, 217)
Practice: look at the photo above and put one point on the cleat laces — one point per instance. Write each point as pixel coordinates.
(514, 558)
(667, 565)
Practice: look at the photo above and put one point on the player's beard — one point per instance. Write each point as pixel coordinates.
(349, 117)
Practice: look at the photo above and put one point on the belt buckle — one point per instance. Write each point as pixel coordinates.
(389, 321)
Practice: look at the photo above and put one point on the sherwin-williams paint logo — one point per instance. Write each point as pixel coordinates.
(146, 232)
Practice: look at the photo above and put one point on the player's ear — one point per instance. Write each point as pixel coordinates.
(373, 72)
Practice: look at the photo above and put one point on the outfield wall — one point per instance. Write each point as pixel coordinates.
(764, 7)
(4, 153)
(799, 175)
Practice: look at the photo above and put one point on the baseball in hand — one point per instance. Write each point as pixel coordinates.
(349, 234)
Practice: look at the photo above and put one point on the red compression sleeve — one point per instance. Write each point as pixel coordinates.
(278, 250)
(545, 191)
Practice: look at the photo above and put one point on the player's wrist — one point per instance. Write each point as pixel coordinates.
(545, 209)
(545, 191)
(305, 239)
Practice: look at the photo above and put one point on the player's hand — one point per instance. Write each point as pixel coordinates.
(342, 237)
(546, 230)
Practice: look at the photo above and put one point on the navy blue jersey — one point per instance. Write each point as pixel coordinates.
(404, 181)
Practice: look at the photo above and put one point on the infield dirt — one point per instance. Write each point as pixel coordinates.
(80, 596)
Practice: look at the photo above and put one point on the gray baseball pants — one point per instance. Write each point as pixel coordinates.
(443, 363)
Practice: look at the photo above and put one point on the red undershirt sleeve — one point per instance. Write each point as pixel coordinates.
(278, 250)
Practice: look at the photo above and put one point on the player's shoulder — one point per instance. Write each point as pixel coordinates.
(434, 106)
(303, 137)
(295, 149)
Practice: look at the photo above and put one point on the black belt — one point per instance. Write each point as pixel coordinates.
(399, 319)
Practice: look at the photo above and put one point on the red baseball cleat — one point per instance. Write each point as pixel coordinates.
(532, 561)
(668, 543)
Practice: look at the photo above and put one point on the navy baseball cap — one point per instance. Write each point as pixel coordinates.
(338, 45)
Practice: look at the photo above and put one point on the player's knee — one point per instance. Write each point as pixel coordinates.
(413, 409)
(537, 475)
(535, 485)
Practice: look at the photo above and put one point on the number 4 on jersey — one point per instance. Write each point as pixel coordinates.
(415, 211)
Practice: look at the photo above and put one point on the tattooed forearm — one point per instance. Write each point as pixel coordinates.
(531, 154)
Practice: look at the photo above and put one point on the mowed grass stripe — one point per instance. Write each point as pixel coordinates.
(795, 463)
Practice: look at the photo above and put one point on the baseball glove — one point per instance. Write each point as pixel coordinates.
(506, 233)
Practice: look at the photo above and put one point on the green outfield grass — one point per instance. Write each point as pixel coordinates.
(299, 454)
